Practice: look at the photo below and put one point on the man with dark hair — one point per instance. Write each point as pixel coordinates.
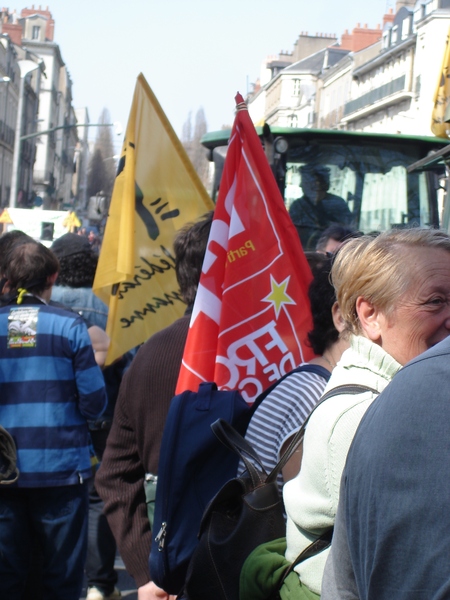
(134, 441)
(334, 236)
(73, 287)
(189, 247)
(8, 239)
(31, 266)
(49, 385)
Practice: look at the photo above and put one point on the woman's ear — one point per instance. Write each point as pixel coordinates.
(369, 318)
(336, 315)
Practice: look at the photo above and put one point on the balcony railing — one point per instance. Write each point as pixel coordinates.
(392, 87)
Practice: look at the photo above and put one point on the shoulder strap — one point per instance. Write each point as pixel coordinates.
(306, 368)
(322, 543)
(233, 440)
(350, 388)
(298, 437)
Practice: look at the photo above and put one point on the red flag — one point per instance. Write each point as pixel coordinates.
(251, 313)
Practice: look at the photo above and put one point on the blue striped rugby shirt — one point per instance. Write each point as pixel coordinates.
(50, 385)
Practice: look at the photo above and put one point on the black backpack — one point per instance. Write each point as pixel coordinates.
(245, 513)
(193, 466)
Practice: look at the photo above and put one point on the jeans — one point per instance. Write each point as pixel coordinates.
(57, 518)
(101, 551)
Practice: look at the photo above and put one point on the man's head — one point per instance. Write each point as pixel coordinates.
(315, 181)
(31, 266)
(8, 239)
(77, 260)
(190, 247)
(334, 236)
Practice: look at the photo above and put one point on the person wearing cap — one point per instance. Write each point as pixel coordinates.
(317, 209)
(73, 287)
(50, 385)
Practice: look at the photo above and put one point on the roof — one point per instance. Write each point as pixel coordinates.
(315, 63)
(213, 139)
(278, 63)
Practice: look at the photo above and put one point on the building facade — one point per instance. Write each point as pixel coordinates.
(289, 96)
(55, 151)
(9, 95)
(281, 96)
(383, 81)
(46, 162)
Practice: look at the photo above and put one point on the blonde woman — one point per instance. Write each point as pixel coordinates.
(394, 296)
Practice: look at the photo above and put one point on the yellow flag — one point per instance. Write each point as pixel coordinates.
(72, 221)
(442, 96)
(156, 192)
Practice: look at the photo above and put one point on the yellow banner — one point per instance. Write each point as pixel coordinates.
(4, 217)
(442, 96)
(156, 192)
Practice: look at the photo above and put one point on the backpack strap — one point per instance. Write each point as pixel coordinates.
(233, 440)
(322, 543)
(298, 437)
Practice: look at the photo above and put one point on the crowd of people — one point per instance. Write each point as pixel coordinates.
(371, 467)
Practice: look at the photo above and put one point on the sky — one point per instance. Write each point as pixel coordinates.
(193, 53)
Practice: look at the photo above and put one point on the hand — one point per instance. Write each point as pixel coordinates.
(100, 343)
(150, 591)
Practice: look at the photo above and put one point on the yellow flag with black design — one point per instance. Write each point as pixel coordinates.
(156, 192)
(442, 96)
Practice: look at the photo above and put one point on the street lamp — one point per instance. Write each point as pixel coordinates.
(26, 67)
(117, 127)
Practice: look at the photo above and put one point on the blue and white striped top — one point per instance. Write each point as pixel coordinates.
(281, 414)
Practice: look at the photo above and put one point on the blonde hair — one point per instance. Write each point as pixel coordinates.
(378, 269)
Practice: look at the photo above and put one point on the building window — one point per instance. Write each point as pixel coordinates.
(394, 35)
(36, 32)
(406, 27)
(293, 120)
(296, 87)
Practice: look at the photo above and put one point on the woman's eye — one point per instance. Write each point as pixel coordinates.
(436, 301)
